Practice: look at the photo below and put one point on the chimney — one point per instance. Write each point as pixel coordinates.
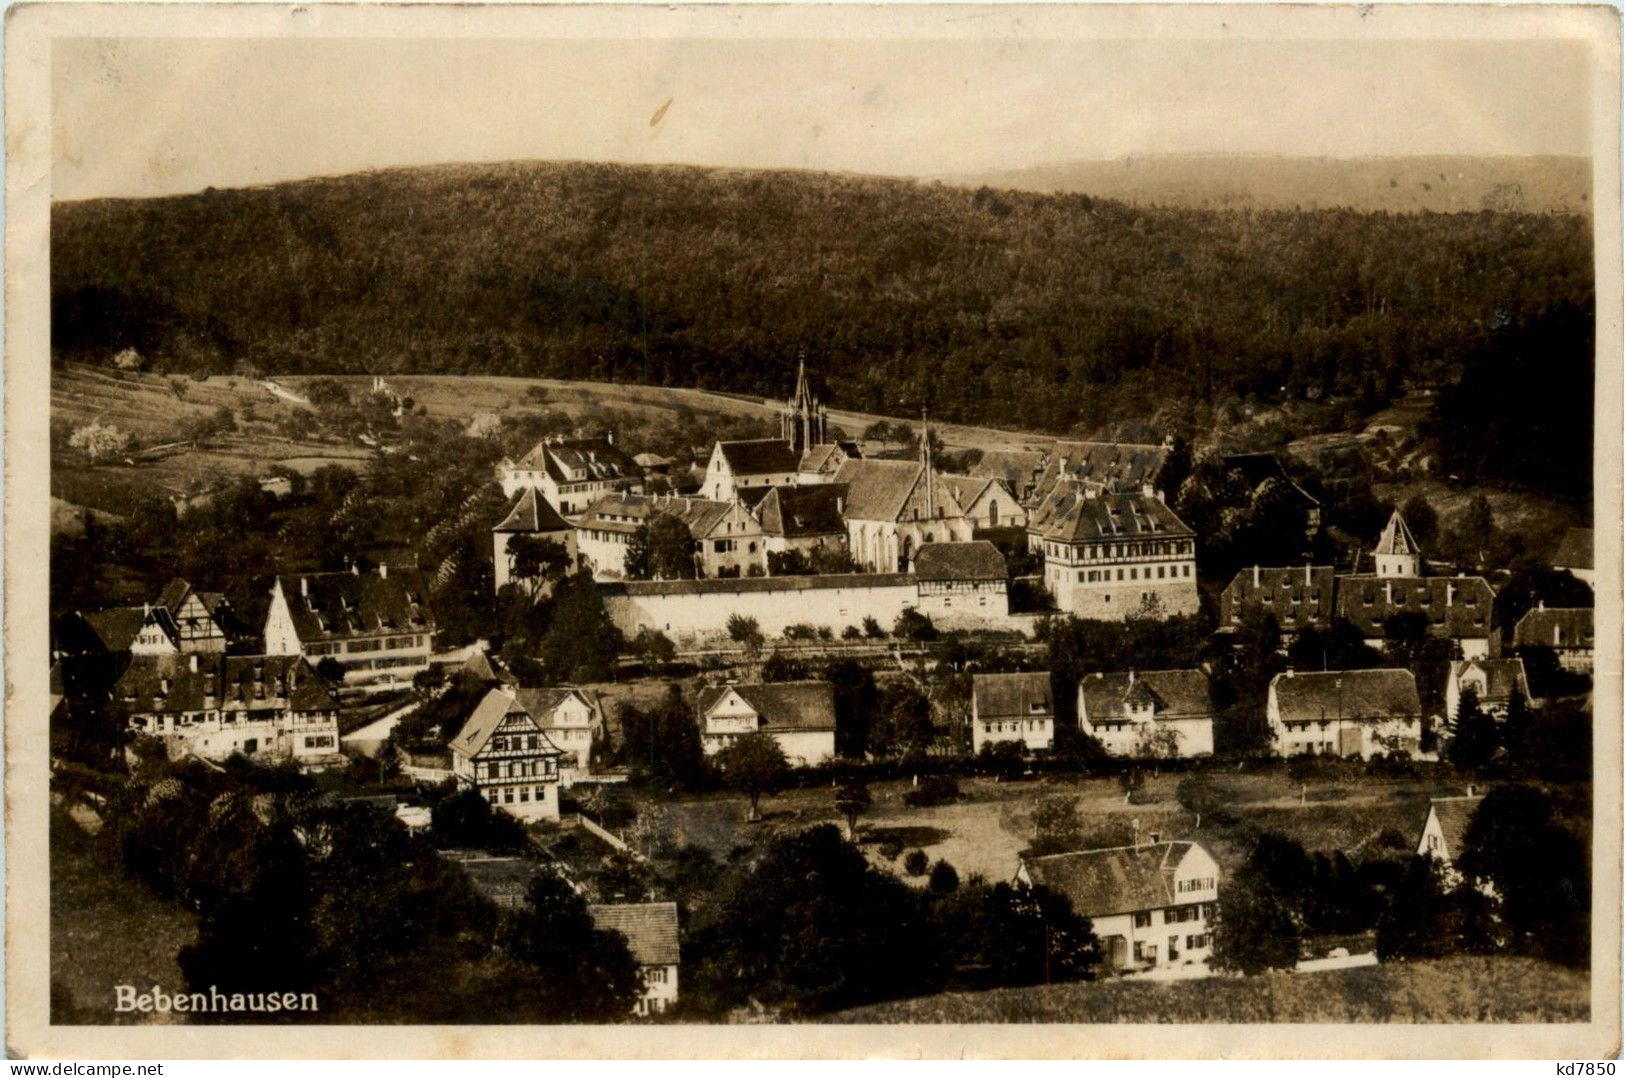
(1308, 580)
(610, 437)
(1449, 594)
(383, 571)
(1131, 677)
(1388, 592)
(146, 609)
(193, 662)
(1255, 576)
(304, 586)
(1541, 605)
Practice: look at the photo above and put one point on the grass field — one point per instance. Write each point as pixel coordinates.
(105, 930)
(1448, 990)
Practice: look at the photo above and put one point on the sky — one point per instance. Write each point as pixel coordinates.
(146, 116)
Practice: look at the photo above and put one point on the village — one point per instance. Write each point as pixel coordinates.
(1014, 680)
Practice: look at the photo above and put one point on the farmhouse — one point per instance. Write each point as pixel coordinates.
(1345, 712)
(1568, 631)
(1494, 681)
(211, 706)
(1297, 598)
(650, 929)
(529, 515)
(1012, 707)
(377, 625)
(1575, 555)
(799, 715)
(961, 576)
(570, 720)
(1150, 713)
(1152, 906)
(502, 752)
(201, 618)
(895, 506)
(571, 472)
(1112, 556)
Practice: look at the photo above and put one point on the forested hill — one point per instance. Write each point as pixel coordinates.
(1049, 312)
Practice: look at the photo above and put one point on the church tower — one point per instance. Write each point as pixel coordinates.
(801, 424)
(1397, 553)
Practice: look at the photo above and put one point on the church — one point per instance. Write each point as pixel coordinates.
(802, 453)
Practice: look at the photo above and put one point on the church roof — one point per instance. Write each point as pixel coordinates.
(760, 456)
(1396, 537)
(976, 560)
(530, 512)
(880, 489)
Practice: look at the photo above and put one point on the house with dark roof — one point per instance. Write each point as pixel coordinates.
(1103, 467)
(1113, 556)
(211, 706)
(893, 507)
(203, 619)
(377, 625)
(759, 462)
(1445, 830)
(1153, 905)
(503, 753)
(986, 501)
(1576, 555)
(799, 715)
(819, 463)
(958, 577)
(801, 518)
(1568, 631)
(650, 930)
(1297, 597)
(1494, 681)
(529, 514)
(571, 720)
(1018, 469)
(1012, 707)
(1458, 608)
(136, 630)
(571, 472)
(1159, 713)
(1345, 713)
(727, 540)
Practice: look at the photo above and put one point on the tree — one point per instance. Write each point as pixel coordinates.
(872, 629)
(852, 801)
(582, 642)
(915, 862)
(746, 631)
(782, 667)
(654, 648)
(537, 560)
(944, 879)
(588, 974)
(1474, 736)
(99, 442)
(1255, 929)
(855, 701)
(1057, 827)
(904, 727)
(1424, 522)
(330, 670)
(915, 626)
(755, 765)
(671, 548)
(663, 742)
(1538, 868)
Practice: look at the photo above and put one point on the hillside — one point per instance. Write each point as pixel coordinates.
(1459, 989)
(1385, 184)
(1024, 311)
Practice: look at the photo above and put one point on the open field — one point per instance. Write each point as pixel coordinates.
(1446, 990)
(105, 930)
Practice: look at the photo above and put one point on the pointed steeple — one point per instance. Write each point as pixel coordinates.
(1398, 553)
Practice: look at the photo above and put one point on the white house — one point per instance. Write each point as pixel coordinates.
(1152, 906)
(529, 515)
(802, 518)
(570, 720)
(1494, 681)
(987, 502)
(377, 625)
(1345, 712)
(1012, 707)
(1445, 829)
(200, 617)
(1114, 556)
(139, 630)
(571, 472)
(727, 541)
(760, 462)
(800, 716)
(1148, 713)
(503, 753)
(650, 929)
(961, 577)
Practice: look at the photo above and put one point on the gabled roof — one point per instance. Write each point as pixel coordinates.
(824, 459)
(599, 458)
(1458, 607)
(488, 668)
(1396, 537)
(1075, 514)
(878, 489)
(627, 512)
(117, 628)
(1576, 551)
(650, 929)
(1172, 694)
(1113, 465)
(1544, 626)
(782, 705)
(976, 560)
(530, 512)
(1501, 677)
(1349, 694)
(1126, 879)
(235, 682)
(1012, 695)
(1455, 815)
(328, 606)
(495, 707)
(760, 456)
(811, 509)
(543, 704)
(1017, 467)
(967, 488)
(1276, 588)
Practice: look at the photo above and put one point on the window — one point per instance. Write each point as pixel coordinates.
(524, 793)
(1142, 919)
(655, 974)
(507, 796)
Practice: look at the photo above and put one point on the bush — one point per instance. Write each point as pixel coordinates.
(851, 632)
(916, 862)
(872, 629)
(915, 626)
(800, 632)
(933, 790)
(944, 879)
(890, 848)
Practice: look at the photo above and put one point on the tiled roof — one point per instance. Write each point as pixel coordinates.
(1455, 816)
(174, 594)
(1012, 695)
(976, 560)
(328, 606)
(782, 705)
(117, 628)
(1017, 467)
(530, 512)
(1276, 588)
(1351, 694)
(1072, 514)
(812, 509)
(1556, 627)
(626, 512)
(732, 585)
(1173, 694)
(1501, 676)
(1126, 879)
(599, 458)
(1114, 465)
(487, 668)
(824, 459)
(1459, 607)
(284, 682)
(650, 929)
(1576, 550)
(488, 714)
(1396, 537)
(878, 489)
(543, 704)
(760, 456)
(966, 488)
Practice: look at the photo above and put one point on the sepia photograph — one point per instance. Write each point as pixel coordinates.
(683, 522)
